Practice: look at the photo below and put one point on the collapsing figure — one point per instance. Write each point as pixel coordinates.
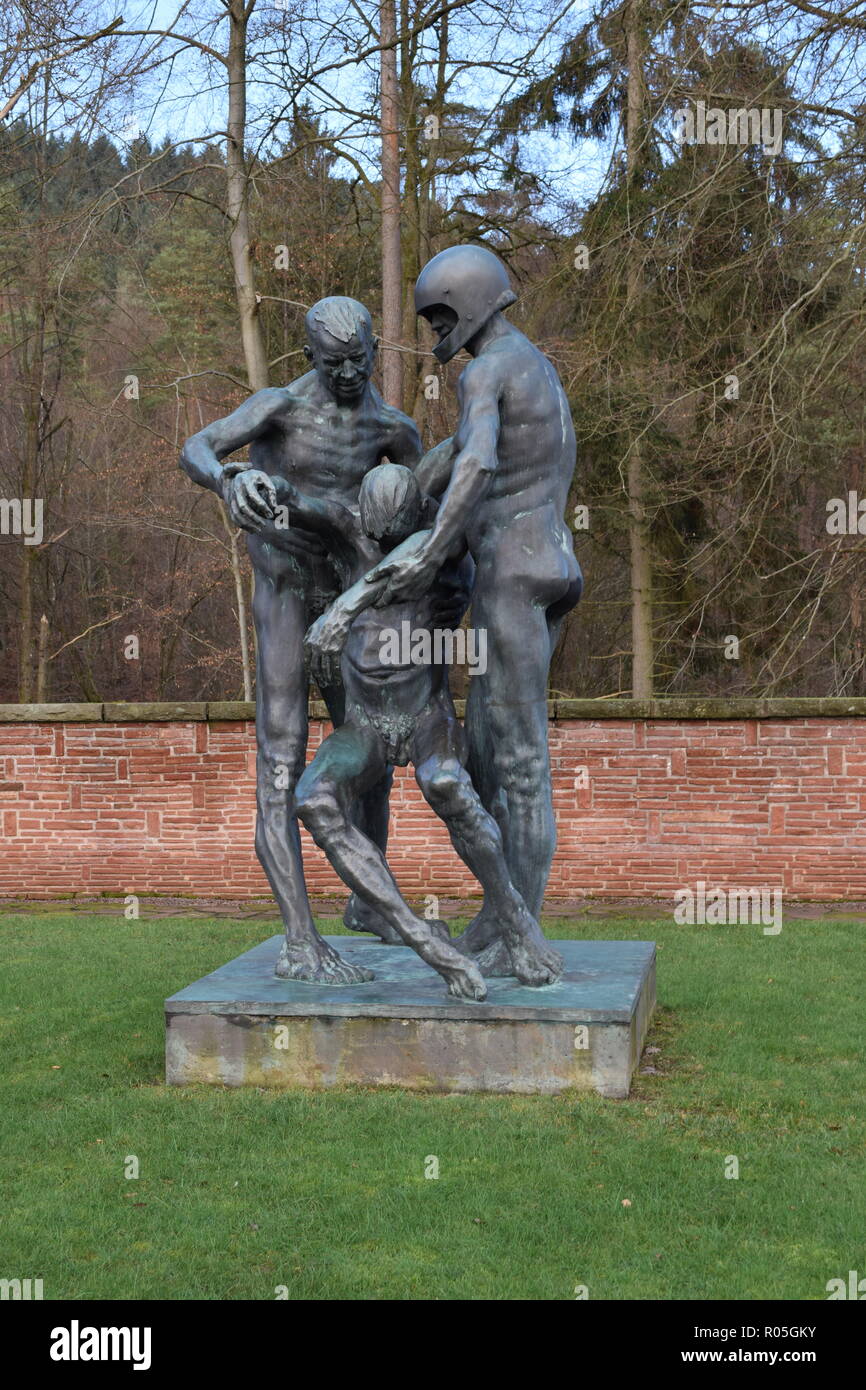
(397, 714)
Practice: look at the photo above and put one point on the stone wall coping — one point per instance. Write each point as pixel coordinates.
(678, 707)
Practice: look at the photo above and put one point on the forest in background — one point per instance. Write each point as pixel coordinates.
(178, 183)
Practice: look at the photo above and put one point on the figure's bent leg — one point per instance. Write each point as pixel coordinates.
(519, 947)
(281, 735)
(370, 813)
(347, 764)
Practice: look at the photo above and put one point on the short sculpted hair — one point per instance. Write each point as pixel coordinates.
(390, 501)
(342, 318)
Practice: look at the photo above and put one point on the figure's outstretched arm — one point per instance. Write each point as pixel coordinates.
(248, 492)
(475, 461)
(473, 468)
(202, 454)
(327, 518)
(435, 469)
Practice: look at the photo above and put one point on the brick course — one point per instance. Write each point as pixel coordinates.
(168, 807)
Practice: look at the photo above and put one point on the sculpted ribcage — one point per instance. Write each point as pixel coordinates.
(326, 454)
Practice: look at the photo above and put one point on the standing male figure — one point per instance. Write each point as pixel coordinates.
(323, 433)
(506, 475)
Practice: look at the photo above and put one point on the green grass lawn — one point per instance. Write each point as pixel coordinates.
(239, 1192)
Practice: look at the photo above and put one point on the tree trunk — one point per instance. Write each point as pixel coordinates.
(234, 533)
(852, 681)
(238, 200)
(640, 542)
(411, 204)
(42, 666)
(29, 485)
(422, 153)
(392, 366)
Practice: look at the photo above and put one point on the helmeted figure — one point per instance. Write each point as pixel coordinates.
(504, 479)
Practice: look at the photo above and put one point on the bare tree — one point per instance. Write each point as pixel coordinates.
(392, 275)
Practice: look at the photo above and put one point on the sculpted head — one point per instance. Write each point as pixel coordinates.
(390, 504)
(341, 346)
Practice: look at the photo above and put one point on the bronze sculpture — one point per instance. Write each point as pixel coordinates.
(503, 481)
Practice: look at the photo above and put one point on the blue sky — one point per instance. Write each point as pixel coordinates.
(188, 100)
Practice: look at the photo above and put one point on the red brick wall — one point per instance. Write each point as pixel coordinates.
(169, 808)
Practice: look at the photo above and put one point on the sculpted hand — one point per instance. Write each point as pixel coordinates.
(323, 646)
(251, 498)
(408, 577)
(448, 610)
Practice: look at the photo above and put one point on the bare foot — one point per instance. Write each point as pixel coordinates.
(319, 963)
(464, 981)
(359, 917)
(432, 941)
(534, 961)
(494, 960)
(482, 931)
(518, 948)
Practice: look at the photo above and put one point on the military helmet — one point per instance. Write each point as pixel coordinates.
(470, 280)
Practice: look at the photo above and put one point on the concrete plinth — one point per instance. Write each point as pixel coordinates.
(242, 1026)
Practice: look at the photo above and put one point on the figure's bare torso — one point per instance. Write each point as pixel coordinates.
(536, 449)
(377, 686)
(325, 449)
(372, 681)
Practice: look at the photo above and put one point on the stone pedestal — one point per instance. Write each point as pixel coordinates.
(241, 1026)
